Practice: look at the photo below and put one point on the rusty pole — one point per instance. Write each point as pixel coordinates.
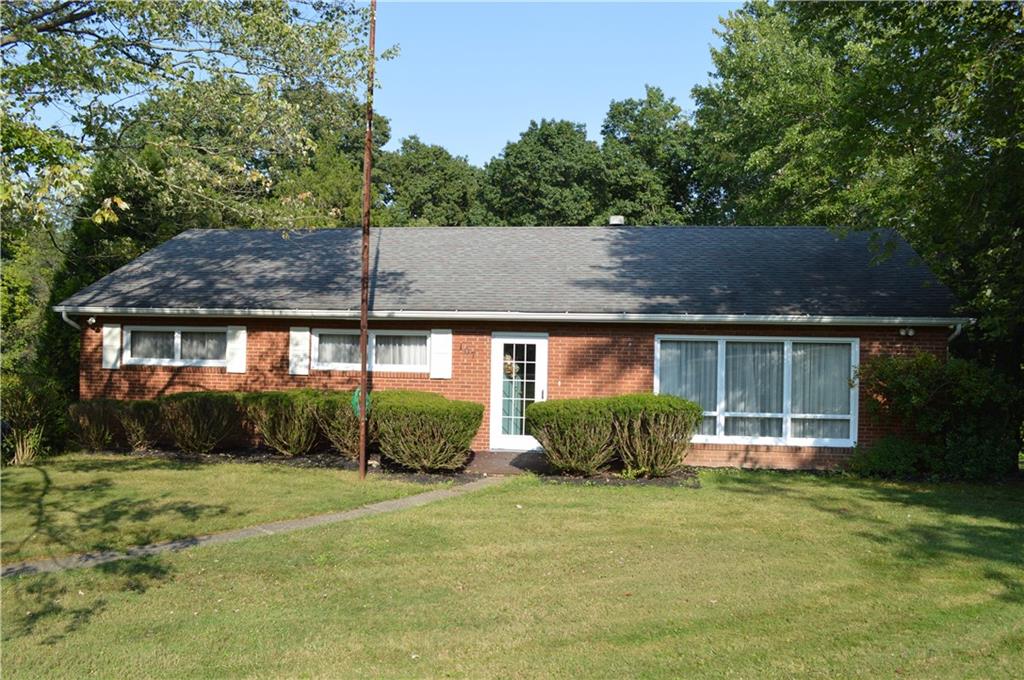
(364, 296)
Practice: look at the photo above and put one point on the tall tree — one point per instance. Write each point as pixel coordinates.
(95, 59)
(176, 114)
(860, 115)
(424, 185)
(648, 173)
(550, 175)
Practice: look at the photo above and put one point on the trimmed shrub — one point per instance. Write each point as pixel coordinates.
(576, 433)
(961, 418)
(95, 423)
(424, 431)
(337, 422)
(140, 423)
(200, 421)
(652, 432)
(286, 421)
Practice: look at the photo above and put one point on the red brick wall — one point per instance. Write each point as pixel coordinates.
(583, 359)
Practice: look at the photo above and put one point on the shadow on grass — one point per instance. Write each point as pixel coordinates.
(962, 520)
(91, 517)
(46, 606)
(121, 463)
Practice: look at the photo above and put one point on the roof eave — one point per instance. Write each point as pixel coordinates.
(572, 317)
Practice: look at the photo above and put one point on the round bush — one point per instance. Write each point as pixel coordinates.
(424, 431)
(285, 421)
(338, 422)
(652, 432)
(199, 422)
(576, 433)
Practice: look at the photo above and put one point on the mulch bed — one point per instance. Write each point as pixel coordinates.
(312, 460)
(687, 477)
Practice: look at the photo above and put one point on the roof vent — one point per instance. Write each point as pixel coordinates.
(616, 220)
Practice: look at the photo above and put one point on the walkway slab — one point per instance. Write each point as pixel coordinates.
(271, 528)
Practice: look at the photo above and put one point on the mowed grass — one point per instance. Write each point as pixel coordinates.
(82, 502)
(753, 575)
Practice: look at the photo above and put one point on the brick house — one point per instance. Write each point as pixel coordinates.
(763, 327)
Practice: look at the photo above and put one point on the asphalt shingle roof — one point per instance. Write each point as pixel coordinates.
(596, 270)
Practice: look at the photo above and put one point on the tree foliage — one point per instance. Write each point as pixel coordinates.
(865, 115)
(550, 175)
(424, 185)
(95, 59)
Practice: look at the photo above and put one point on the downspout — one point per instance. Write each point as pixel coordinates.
(68, 321)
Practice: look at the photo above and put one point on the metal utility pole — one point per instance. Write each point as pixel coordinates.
(364, 297)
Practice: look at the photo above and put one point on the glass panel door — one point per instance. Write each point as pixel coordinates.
(518, 378)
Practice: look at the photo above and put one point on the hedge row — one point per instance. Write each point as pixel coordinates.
(650, 434)
(421, 431)
(952, 419)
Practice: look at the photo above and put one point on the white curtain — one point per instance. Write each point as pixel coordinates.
(753, 377)
(338, 349)
(820, 428)
(753, 427)
(821, 378)
(753, 384)
(821, 386)
(203, 345)
(689, 369)
(152, 344)
(401, 350)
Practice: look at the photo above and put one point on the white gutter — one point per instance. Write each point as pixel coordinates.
(456, 315)
(68, 321)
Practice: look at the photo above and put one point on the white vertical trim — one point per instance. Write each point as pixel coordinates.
(236, 349)
(720, 417)
(441, 353)
(854, 388)
(657, 365)
(111, 346)
(787, 387)
(298, 350)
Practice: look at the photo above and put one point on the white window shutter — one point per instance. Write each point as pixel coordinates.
(235, 354)
(111, 346)
(441, 353)
(298, 350)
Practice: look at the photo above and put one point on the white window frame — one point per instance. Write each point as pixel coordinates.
(128, 360)
(371, 365)
(787, 415)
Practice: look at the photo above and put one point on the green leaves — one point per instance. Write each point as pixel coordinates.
(866, 115)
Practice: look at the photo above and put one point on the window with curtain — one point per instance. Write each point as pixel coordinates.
(152, 345)
(742, 387)
(203, 345)
(753, 389)
(335, 350)
(169, 346)
(405, 351)
(690, 370)
(821, 390)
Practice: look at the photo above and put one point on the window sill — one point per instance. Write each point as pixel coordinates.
(776, 441)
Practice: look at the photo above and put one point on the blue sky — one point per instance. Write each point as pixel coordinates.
(471, 76)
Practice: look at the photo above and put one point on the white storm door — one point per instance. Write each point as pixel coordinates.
(519, 377)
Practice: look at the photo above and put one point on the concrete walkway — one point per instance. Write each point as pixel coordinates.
(508, 463)
(269, 529)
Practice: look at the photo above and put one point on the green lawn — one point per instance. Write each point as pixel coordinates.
(78, 503)
(753, 575)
